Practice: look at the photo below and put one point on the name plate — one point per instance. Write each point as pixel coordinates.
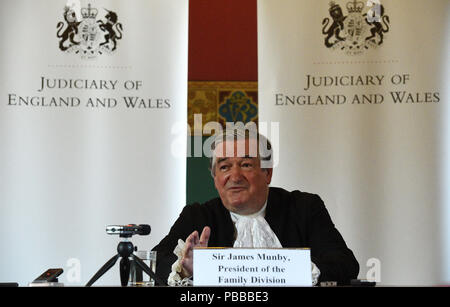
(252, 267)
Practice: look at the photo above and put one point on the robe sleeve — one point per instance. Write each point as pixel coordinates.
(329, 251)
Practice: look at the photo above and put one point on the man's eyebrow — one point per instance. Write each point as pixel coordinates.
(225, 158)
(221, 160)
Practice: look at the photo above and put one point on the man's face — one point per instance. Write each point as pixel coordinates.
(242, 185)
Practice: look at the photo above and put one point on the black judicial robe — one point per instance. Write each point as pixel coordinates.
(298, 219)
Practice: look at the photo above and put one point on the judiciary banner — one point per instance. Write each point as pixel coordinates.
(361, 91)
(90, 91)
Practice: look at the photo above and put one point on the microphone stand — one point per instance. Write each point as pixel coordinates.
(125, 250)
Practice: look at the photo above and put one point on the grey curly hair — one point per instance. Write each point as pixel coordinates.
(264, 151)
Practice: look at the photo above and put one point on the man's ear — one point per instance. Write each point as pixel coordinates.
(268, 174)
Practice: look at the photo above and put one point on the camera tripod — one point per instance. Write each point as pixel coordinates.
(125, 250)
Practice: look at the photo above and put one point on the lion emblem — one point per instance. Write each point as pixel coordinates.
(71, 29)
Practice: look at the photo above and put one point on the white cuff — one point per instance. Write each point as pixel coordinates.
(315, 273)
(174, 278)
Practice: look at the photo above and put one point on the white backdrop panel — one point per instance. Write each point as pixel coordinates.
(68, 171)
(377, 163)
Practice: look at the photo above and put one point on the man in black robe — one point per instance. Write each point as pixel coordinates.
(242, 178)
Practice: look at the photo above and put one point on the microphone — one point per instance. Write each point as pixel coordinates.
(128, 230)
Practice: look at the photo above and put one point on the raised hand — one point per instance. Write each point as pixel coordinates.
(193, 241)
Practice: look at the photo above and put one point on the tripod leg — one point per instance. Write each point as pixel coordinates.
(124, 271)
(147, 270)
(103, 270)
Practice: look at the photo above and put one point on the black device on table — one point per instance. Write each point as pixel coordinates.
(51, 275)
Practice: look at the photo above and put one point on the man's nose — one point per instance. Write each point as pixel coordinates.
(236, 174)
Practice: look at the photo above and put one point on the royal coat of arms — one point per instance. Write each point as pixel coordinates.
(88, 37)
(357, 31)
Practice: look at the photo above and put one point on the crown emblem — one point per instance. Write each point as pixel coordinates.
(355, 6)
(89, 12)
(333, 6)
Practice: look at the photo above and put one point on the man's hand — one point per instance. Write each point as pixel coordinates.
(193, 241)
